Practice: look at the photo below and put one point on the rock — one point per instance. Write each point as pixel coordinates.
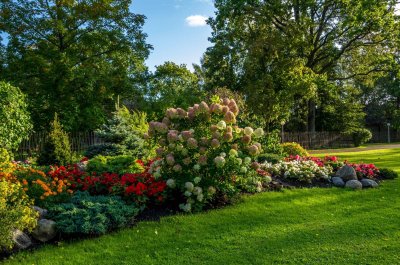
(353, 184)
(42, 212)
(338, 182)
(369, 183)
(45, 230)
(346, 172)
(21, 240)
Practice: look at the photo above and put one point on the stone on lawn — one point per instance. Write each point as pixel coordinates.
(346, 172)
(354, 184)
(338, 182)
(369, 183)
(21, 240)
(42, 212)
(45, 230)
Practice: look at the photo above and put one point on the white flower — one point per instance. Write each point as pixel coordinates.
(247, 160)
(185, 207)
(197, 190)
(248, 131)
(259, 132)
(221, 125)
(187, 193)
(196, 167)
(223, 154)
(171, 183)
(219, 161)
(189, 186)
(196, 180)
(243, 170)
(200, 197)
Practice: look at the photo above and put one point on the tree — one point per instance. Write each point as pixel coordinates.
(172, 85)
(73, 57)
(14, 116)
(280, 51)
(57, 149)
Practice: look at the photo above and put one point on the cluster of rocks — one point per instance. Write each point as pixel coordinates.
(44, 231)
(346, 177)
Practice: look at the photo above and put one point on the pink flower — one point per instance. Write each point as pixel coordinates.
(192, 143)
(186, 135)
(202, 160)
(229, 117)
(215, 143)
(170, 159)
(246, 139)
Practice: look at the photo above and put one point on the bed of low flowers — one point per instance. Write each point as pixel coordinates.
(313, 170)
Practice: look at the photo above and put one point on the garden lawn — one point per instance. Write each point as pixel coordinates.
(304, 226)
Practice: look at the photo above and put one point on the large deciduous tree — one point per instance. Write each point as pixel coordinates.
(279, 52)
(73, 57)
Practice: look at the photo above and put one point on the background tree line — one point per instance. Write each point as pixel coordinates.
(309, 64)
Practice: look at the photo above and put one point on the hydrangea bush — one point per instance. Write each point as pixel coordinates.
(202, 152)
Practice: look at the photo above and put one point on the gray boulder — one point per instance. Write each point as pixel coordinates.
(338, 182)
(45, 230)
(21, 240)
(369, 183)
(353, 184)
(42, 212)
(346, 172)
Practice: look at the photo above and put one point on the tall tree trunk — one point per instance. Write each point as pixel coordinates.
(311, 115)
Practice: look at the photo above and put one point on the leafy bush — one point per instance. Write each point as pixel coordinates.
(202, 152)
(360, 136)
(14, 116)
(293, 149)
(106, 149)
(4, 156)
(124, 131)
(15, 212)
(271, 143)
(114, 164)
(57, 149)
(387, 173)
(271, 158)
(94, 215)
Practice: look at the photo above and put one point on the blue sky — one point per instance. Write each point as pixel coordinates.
(176, 29)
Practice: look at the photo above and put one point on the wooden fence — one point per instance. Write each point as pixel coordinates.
(310, 140)
(79, 141)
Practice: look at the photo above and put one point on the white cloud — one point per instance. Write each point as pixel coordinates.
(196, 21)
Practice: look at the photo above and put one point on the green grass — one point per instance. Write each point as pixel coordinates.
(304, 226)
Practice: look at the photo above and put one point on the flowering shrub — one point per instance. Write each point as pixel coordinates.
(327, 160)
(203, 152)
(300, 170)
(15, 212)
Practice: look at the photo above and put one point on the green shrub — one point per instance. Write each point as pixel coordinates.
(271, 143)
(360, 136)
(57, 149)
(114, 164)
(94, 215)
(294, 149)
(270, 158)
(14, 116)
(106, 149)
(15, 212)
(387, 173)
